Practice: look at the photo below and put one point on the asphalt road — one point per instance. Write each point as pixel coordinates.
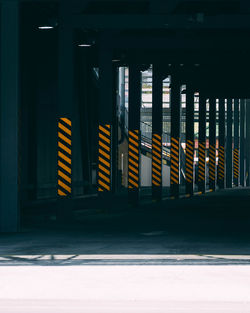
(40, 289)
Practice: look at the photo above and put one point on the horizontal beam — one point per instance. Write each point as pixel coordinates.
(159, 21)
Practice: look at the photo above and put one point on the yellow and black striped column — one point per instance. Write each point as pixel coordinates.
(175, 103)
(202, 145)
(157, 132)
(212, 143)
(190, 140)
(64, 182)
(156, 166)
(236, 166)
(221, 154)
(189, 166)
(236, 143)
(104, 159)
(174, 166)
(221, 166)
(133, 160)
(134, 140)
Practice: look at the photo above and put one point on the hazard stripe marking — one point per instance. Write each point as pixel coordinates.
(64, 161)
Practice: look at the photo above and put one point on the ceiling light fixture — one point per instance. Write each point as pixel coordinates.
(84, 45)
(45, 27)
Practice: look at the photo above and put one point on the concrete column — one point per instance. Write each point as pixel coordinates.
(221, 161)
(134, 133)
(157, 134)
(242, 140)
(65, 108)
(106, 127)
(236, 143)
(212, 143)
(175, 104)
(202, 145)
(190, 140)
(10, 105)
(229, 144)
(247, 142)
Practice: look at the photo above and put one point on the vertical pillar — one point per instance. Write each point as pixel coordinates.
(202, 145)
(236, 143)
(65, 104)
(115, 132)
(221, 159)
(134, 133)
(104, 175)
(190, 140)
(157, 134)
(229, 144)
(9, 106)
(175, 102)
(247, 142)
(212, 142)
(242, 141)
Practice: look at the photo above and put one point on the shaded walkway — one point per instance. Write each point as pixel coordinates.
(214, 229)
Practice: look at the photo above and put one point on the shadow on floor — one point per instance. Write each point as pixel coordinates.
(211, 229)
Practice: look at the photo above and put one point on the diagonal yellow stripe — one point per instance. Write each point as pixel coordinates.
(60, 135)
(64, 157)
(103, 184)
(104, 138)
(66, 168)
(65, 129)
(62, 146)
(104, 130)
(104, 146)
(68, 179)
(60, 183)
(66, 120)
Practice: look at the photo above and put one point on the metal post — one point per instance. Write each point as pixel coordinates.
(212, 143)
(221, 159)
(175, 103)
(106, 99)
(134, 133)
(236, 143)
(9, 106)
(157, 134)
(242, 140)
(190, 140)
(229, 145)
(202, 145)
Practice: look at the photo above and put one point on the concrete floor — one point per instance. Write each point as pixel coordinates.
(187, 255)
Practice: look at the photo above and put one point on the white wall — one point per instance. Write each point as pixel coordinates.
(146, 176)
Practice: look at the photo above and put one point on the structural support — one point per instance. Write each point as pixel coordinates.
(65, 104)
(134, 133)
(247, 142)
(202, 145)
(236, 143)
(9, 106)
(221, 155)
(242, 140)
(229, 145)
(175, 103)
(157, 134)
(212, 143)
(190, 140)
(106, 99)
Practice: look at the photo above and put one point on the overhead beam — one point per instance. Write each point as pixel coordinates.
(159, 21)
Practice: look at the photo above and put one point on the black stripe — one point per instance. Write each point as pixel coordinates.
(65, 124)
